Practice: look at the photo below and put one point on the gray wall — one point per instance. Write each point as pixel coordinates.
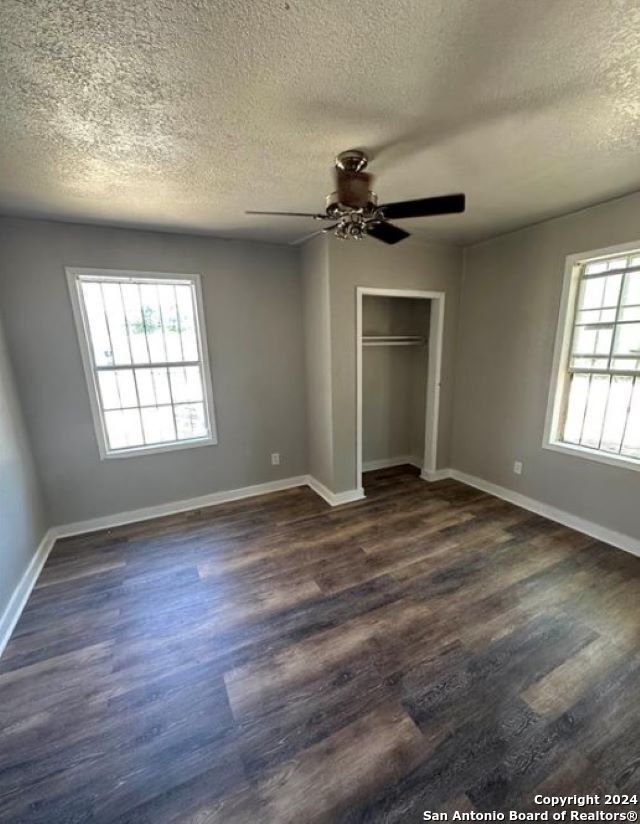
(414, 264)
(263, 360)
(394, 380)
(508, 315)
(317, 332)
(22, 521)
(253, 307)
(393, 402)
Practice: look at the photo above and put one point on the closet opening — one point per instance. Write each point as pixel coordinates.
(398, 363)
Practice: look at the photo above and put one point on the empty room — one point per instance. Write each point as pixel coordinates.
(319, 411)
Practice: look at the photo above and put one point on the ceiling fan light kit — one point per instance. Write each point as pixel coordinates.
(354, 209)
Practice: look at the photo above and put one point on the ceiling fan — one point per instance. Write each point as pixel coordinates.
(354, 208)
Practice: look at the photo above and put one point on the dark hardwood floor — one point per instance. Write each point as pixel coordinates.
(274, 660)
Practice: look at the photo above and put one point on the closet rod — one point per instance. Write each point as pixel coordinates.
(392, 340)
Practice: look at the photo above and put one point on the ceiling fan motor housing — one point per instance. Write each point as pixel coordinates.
(352, 189)
(352, 194)
(353, 184)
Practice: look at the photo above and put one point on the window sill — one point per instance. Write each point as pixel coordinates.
(593, 455)
(140, 451)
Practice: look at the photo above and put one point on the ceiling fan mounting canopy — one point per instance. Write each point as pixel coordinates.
(353, 160)
(354, 206)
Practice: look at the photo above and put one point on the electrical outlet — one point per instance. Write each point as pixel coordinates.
(517, 467)
(275, 459)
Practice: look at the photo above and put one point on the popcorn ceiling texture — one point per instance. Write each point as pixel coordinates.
(181, 115)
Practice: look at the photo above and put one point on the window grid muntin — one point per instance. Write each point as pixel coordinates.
(611, 371)
(107, 407)
(195, 308)
(630, 452)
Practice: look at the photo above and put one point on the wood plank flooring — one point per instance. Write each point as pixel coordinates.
(276, 660)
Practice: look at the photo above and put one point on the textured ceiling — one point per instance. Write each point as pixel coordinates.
(177, 114)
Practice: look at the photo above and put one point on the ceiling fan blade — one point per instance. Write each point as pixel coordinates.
(386, 232)
(291, 214)
(304, 238)
(426, 207)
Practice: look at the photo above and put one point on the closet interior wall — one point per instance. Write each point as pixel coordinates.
(394, 379)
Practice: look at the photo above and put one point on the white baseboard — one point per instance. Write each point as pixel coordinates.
(21, 593)
(385, 463)
(435, 474)
(600, 533)
(175, 507)
(334, 498)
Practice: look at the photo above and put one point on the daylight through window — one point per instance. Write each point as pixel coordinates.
(601, 404)
(146, 360)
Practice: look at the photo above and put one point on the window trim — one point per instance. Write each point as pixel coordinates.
(560, 364)
(74, 274)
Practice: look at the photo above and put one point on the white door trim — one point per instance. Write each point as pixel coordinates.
(436, 335)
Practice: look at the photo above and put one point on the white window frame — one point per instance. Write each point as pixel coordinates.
(560, 370)
(74, 274)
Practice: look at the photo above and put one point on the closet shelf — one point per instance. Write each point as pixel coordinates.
(393, 340)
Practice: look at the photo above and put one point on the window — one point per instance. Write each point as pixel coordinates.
(144, 349)
(596, 398)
